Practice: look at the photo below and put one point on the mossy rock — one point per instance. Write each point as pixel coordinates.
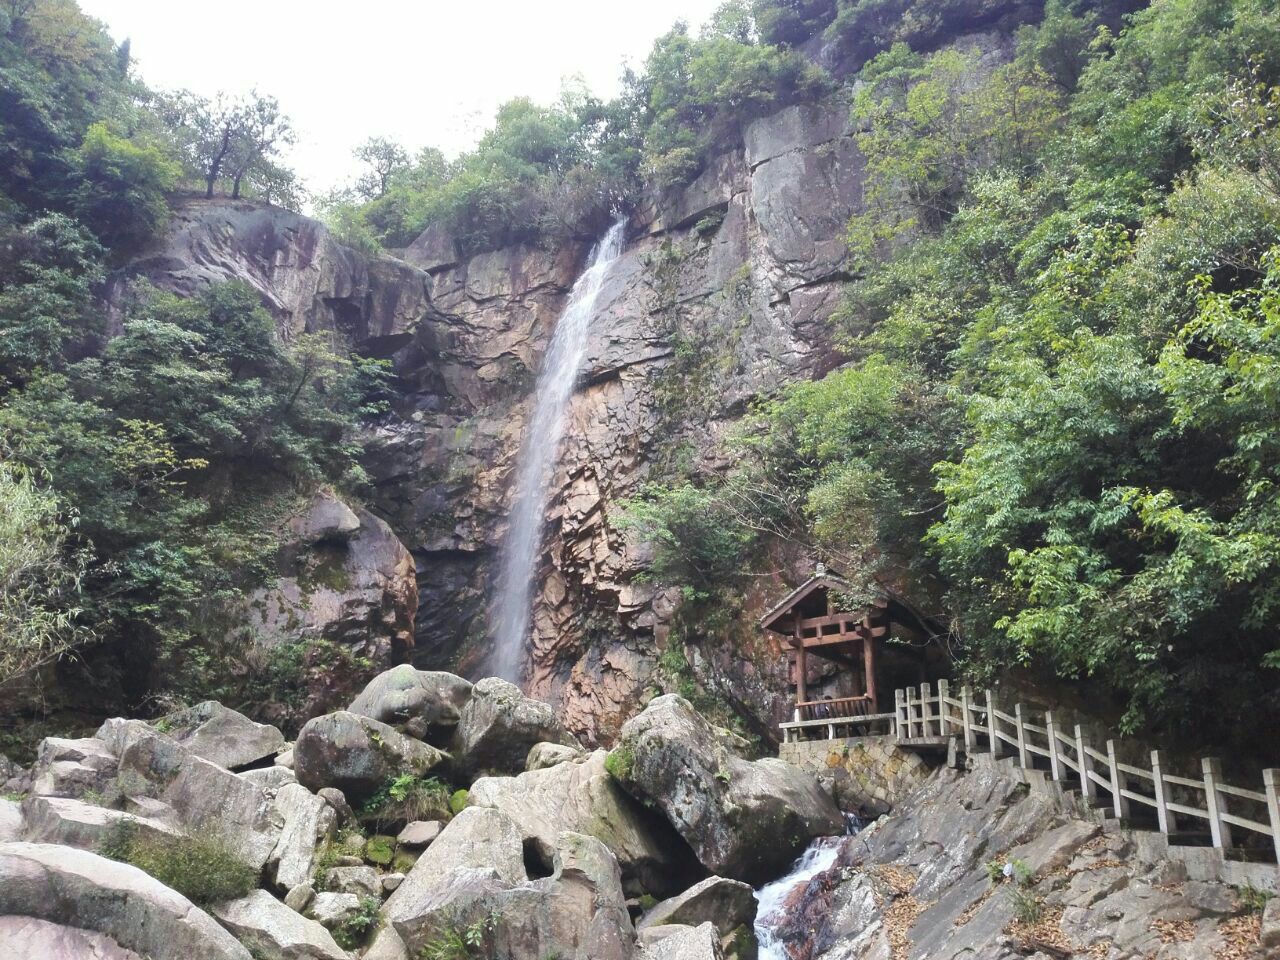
(619, 762)
(403, 861)
(458, 802)
(380, 850)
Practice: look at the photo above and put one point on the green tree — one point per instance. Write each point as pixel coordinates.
(39, 576)
(121, 196)
(47, 269)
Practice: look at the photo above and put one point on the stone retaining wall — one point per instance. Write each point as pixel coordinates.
(868, 774)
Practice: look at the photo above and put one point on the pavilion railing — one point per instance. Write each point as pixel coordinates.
(1072, 754)
(833, 709)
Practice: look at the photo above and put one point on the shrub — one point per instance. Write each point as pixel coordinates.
(619, 762)
(203, 868)
(354, 930)
(408, 797)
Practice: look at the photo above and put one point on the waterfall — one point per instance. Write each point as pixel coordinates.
(771, 899)
(536, 466)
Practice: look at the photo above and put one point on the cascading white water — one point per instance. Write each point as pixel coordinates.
(510, 615)
(771, 898)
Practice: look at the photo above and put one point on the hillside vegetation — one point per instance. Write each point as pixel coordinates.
(1056, 427)
(142, 475)
(1053, 423)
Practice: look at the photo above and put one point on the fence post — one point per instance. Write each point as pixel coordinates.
(912, 723)
(994, 737)
(1271, 784)
(898, 699)
(1024, 756)
(1086, 766)
(1119, 802)
(944, 708)
(1168, 823)
(966, 721)
(1218, 827)
(1055, 764)
(926, 712)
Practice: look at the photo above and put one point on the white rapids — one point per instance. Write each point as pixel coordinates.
(771, 898)
(511, 613)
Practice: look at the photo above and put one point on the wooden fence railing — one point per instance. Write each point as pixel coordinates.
(920, 714)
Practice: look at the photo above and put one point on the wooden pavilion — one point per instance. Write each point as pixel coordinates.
(810, 624)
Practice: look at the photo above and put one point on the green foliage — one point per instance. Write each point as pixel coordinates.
(697, 545)
(380, 850)
(458, 801)
(355, 928)
(39, 578)
(47, 271)
(557, 172)
(181, 445)
(202, 868)
(1252, 899)
(1054, 426)
(121, 196)
(408, 797)
(461, 941)
(619, 762)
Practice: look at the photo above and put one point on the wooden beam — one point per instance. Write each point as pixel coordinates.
(802, 667)
(869, 666)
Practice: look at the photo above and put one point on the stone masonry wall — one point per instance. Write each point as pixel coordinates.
(870, 775)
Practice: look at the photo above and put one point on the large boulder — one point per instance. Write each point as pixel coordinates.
(74, 823)
(729, 904)
(687, 943)
(26, 938)
(308, 820)
(479, 838)
(500, 725)
(223, 736)
(357, 755)
(72, 768)
(424, 703)
(747, 820)
(576, 913)
(346, 578)
(76, 888)
(204, 797)
(583, 798)
(274, 932)
(543, 755)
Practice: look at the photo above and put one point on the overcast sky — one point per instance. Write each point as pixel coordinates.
(429, 73)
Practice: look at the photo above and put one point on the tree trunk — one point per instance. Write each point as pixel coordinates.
(235, 188)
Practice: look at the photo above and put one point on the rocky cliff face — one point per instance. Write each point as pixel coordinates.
(721, 296)
(735, 274)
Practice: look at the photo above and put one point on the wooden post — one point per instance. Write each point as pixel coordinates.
(1119, 802)
(1086, 766)
(1218, 827)
(1024, 755)
(966, 720)
(944, 708)
(869, 667)
(802, 673)
(1164, 815)
(1055, 762)
(926, 712)
(898, 725)
(996, 743)
(1271, 784)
